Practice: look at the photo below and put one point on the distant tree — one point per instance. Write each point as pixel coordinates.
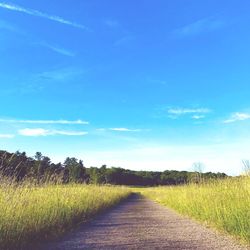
(38, 156)
(198, 168)
(95, 176)
(83, 173)
(246, 167)
(40, 169)
(75, 169)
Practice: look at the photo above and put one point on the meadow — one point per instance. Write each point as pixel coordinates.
(222, 204)
(33, 213)
(37, 212)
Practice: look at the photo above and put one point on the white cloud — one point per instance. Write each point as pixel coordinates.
(119, 129)
(124, 130)
(37, 13)
(80, 122)
(57, 49)
(46, 132)
(198, 117)
(100, 129)
(69, 133)
(237, 117)
(183, 111)
(33, 132)
(9, 136)
(199, 26)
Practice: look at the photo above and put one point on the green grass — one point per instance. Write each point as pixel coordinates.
(223, 204)
(30, 214)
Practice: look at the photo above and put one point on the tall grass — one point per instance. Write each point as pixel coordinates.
(30, 213)
(224, 204)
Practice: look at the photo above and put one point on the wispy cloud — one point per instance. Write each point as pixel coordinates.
(35, 132)
(63, 74)
(124, 40)
(80, 122)
(10, 27)
(238, 117)
(125, 130)
(7, 136)
(59, 50)
(69, 133)
(37, 13)
(200, 26)
(183, 111)
(193, 113)
(120, 129)
(198, 117)
(157, 81)
(44, 81)
(112, 23)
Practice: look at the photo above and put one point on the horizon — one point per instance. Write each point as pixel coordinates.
(154, 86)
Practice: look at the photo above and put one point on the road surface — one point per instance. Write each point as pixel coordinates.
(139, 223)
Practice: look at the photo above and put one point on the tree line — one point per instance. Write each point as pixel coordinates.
(40, 169)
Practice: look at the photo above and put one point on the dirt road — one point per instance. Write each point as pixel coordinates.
(139, 223)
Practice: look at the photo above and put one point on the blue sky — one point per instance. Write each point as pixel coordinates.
(150, 85)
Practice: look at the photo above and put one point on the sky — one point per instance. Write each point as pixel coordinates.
(144, 85)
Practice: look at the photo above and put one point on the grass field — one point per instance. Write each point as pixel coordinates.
(29, 213)
(223, 204)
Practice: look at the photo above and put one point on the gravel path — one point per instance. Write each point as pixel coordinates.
(139, 223)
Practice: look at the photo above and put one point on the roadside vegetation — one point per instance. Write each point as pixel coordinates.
(223, 204)
(31, 213)
(40, 200)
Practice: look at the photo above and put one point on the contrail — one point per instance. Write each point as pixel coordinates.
(41, 14)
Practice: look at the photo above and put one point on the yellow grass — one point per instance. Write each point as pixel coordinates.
(224, 204)
(29, 213)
